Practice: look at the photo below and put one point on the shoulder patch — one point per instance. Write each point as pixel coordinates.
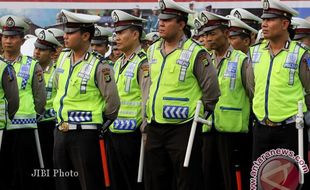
(106, 74)
(146, 70)
(204, 58)
(39, 74)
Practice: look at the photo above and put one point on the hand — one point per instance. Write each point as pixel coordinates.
(143, 126)
(104, 127)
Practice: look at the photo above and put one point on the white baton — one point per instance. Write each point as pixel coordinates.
(192, 133)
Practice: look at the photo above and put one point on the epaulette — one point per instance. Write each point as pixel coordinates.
(97, 54)
(32, 58)
(156, 40)
(304, 46)
(65, 50)
(258, 43)
(141, 54)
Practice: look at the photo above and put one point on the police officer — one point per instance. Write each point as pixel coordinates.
(100, 41)
(248, 18)
(231, 114)
(131, 74)
(86, 98)
(19, 148)
(199, 34)
(115, 52)
(302, 30)
(45, 49)
(59, 35)
(240, 34)
(281, 76)
(9, 106)
(180, 74)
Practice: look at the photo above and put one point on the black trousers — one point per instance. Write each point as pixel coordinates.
(46, 134)
(78, 151)
(266, 138)
(223, 155)
(164, 157)
(18, 159)
(123, 155)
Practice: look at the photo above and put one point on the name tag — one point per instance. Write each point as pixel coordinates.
(256, 57)
(59, 70)
(231, 70)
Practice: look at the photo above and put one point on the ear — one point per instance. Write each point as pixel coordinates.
(226, 33)
(285, 24)
(247, 41)
(135, 34)
(85, 36)
(182, 25)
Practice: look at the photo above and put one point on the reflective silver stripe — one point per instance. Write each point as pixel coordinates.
(63, 59)
(86, 74)
(232, 82)
(128, 103)
(22, 126)
(255, 56)
(185, 57)
(127, 112)
(291, 58)
(50, 86)
(84, 127)
(152, 48)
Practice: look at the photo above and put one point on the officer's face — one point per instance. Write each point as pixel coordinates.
(43, 55)
(216, 39)
(169, 28)
(12, 43)
(274, 27)
(100, 48)
(126, 39)
(239, 43)
(73, 40)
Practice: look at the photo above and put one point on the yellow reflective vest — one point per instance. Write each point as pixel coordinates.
(78, 99)
(277, 84)
(129, 116)
(25, 117)
(3, 101)
(174, 89)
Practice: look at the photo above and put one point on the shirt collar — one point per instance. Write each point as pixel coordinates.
(285, 48)
(180, 45)
(227, 54)
(137, 50)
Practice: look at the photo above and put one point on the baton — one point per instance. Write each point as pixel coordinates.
(104, 163)
(1, 134)
(300, 128)
(193, 131)
(141, 158)
(36, 134)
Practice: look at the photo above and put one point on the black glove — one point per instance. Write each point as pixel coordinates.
(105, 127)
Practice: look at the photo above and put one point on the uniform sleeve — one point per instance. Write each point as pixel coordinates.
(107, 86)
(304, 75)
(206, 75)
(38, 89)
(247, 77)
(10, 89)
(144, 83)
